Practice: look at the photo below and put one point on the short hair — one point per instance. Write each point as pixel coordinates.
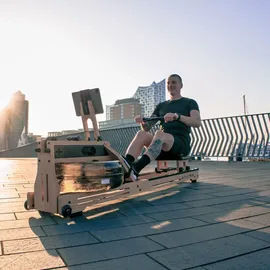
(176, 75)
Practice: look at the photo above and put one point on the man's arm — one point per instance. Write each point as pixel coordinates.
(194, 120)
(146, 126)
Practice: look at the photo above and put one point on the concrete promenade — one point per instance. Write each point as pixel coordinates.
(221, 222)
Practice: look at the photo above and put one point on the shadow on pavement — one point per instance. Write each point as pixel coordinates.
(182, 216)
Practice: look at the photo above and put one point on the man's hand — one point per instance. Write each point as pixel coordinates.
(138, 119)
(170, 117)
(146, 126)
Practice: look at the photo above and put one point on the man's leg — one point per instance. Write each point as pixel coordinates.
(161, 141)
(142, 139)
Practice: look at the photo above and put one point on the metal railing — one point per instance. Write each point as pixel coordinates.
(237, 136)
(244, 136)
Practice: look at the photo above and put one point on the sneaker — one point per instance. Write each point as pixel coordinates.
(131, 174)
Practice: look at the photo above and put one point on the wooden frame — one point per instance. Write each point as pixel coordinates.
(181, 165)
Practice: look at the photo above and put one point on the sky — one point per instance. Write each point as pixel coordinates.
(49, 49)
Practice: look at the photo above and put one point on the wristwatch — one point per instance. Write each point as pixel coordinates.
(177, 116)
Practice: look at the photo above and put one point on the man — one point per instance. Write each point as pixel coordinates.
(180, 114)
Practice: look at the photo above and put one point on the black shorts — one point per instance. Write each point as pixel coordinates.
(179, 147)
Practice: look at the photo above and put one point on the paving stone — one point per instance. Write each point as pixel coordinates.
(32, 260)
(9, 200)
(161, 195)
(207, 187)
(263, 198)
(183, 213)
(146, 209)
(95, 225)
(13, 204)
(16, 207)
(235, 191)
(8, 189)
(265, 192)
(263, 195)
(13, 182)
(234, 214)
(23, 189)
(245, 223)
(109, 250)
(23, 195)
(86, 217)
(146, 229)
(263, 234)
(28, 214)
(261, 219)
(9, 194)
(216, 201)
(127, 263)
(199, 234)
(262, 185)
(28, 185)
(207, 252)
(7, 217)
(214, 189)
(4, 225)
(243, 204)
(237, 185)
(258, 260)
(69, 228)
(48, 242)
(177, 199)
(109, 214)
(118, 204)
(23, 233)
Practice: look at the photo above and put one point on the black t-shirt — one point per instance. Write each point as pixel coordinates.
(183, 106)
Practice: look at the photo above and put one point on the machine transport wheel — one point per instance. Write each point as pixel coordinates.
(187, 168)
(26, 207)
(66, 211)
(181, 169)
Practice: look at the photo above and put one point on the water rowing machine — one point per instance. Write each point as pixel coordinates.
(73, 174)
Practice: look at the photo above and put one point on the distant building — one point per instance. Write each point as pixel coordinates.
(34, 138)
(14, 122)
(70, 131)
(54, 133)
(150, 96)
(143, 102)
(121, 113)
(126, 108)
